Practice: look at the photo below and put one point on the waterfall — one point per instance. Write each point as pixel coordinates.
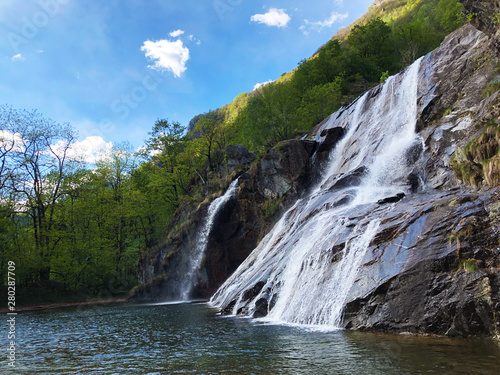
(303, 270)
(196, 258)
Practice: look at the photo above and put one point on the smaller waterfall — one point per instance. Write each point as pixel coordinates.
(196, 258)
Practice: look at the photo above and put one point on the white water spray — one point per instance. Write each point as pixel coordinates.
(196, 258)
(303, 270)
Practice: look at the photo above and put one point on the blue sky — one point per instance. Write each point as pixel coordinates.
(111, 68)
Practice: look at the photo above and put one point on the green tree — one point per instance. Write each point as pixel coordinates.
(319, 102)
(272, 114)
(374, 42)
(36, 165)
(449, 14)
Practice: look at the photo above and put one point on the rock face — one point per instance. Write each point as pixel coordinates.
(433, 269)
(484, 16)
(451, 286)
(237, 156)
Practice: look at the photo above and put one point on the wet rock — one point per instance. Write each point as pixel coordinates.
(421, 301)
(393, 199)
(331, 137)
(260, 308)
(309, 146)
(337, 252)
(252, 293)
(419, 277)
(350, 179)
(413, 182)
(228, 309)
(414, 153)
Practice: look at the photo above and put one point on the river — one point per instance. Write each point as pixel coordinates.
(191, 338)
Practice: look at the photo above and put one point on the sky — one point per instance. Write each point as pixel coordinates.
(112, 68)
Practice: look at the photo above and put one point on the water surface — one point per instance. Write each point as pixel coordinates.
(192, 339)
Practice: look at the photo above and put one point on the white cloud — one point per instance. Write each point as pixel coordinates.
(12, 141)
(17, 57)
(176, 33)
(167, 55)
(90, 150)
(274, 17)
(193, 39)
(320, 25)
(259, 85)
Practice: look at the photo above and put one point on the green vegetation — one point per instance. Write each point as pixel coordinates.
(70, 230)
(469, 265)
(479, 162)
(75, 229)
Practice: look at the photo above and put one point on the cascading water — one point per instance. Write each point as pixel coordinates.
(303, 270)
(196, 258)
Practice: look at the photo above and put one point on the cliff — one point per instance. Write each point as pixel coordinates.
(425, 262)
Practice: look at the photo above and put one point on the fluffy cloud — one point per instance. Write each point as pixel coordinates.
(167, 55)
(176, 33)
(90, 150)
(259, 85)
(320, 25)
(17, 57)
(11, 141)
(274, 17)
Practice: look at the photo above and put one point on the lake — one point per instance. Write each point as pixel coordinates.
(191, 338)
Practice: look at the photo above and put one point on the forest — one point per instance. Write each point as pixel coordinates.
(76, 229)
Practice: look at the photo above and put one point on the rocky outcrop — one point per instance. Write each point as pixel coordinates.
(434, 270)
(432, 266)
(451, 285)
(485, 16)
(237, 156)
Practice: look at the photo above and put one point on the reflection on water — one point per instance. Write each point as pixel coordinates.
(191, 339)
